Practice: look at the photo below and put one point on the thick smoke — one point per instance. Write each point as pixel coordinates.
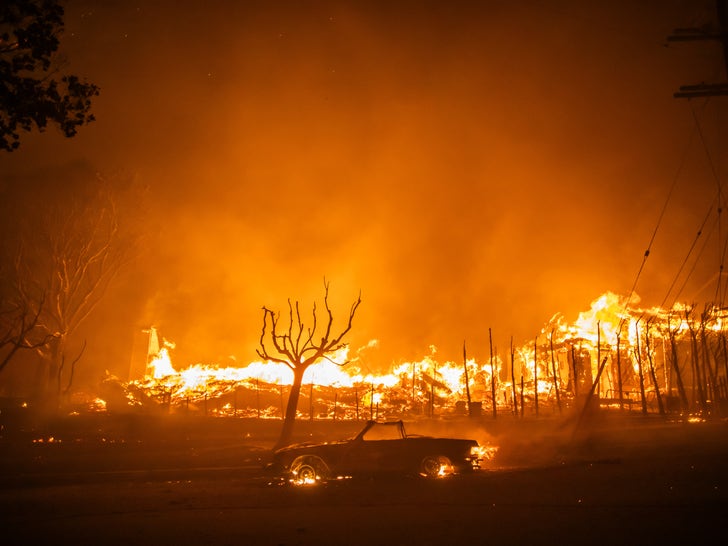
(465, 165)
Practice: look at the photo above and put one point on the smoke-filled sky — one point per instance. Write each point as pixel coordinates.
(465, 165)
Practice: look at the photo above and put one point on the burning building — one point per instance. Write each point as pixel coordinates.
(615, 354)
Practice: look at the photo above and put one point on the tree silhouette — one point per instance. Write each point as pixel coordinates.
(30, 95)
(18, 327)
(298, 347)
(65, 248)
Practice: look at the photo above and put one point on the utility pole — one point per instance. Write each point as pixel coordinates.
(701, 34)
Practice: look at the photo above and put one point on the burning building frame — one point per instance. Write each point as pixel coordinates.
(616, 356)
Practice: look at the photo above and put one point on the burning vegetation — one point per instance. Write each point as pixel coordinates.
(616, 355)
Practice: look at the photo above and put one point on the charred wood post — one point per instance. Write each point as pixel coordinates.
(653, 375)
(492, 376)
(599, 354)
(467, 381)
(676, 368)
(640, 371)
(371, 403)
(432, 401)
(553, 369)
(619, 371)
(590, 394)
(513, 380)
(575, 371)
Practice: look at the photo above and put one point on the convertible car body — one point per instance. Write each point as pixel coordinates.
(381, 447)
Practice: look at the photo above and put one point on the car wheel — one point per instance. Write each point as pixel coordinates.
(436, 466)
(308, 470)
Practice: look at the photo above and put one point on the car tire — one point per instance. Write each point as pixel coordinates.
(435, 466)
(309, 470)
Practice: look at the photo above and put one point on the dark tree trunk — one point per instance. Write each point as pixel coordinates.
(290, 417)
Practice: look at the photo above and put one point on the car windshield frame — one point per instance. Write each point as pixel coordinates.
(382, 431)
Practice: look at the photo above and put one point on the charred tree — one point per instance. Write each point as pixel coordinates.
(467, 381)
(67, 248)
(640, 371)
(299, 346)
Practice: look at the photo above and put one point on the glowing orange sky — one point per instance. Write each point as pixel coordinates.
(466, 165)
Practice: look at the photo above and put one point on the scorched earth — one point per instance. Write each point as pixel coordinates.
(626, 479)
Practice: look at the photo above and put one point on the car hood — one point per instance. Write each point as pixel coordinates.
(303, 445)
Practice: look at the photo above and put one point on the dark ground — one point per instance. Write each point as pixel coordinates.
(183, 480)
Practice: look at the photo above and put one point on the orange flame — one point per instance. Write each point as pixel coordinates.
(563, 354)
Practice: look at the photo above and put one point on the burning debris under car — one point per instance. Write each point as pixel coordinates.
(379, 448)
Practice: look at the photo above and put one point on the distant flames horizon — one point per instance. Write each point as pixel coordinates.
(658, 359)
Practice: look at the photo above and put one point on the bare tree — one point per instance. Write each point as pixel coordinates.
(67, 251)
(17, 328)
(298, 347)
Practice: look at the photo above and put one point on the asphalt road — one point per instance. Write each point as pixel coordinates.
(598, 502)
(645, 484)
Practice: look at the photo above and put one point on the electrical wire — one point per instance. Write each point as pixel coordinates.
(668, 198)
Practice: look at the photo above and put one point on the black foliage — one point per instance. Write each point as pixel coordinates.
(32, 92)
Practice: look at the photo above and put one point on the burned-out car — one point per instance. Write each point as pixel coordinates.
(380, 447)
